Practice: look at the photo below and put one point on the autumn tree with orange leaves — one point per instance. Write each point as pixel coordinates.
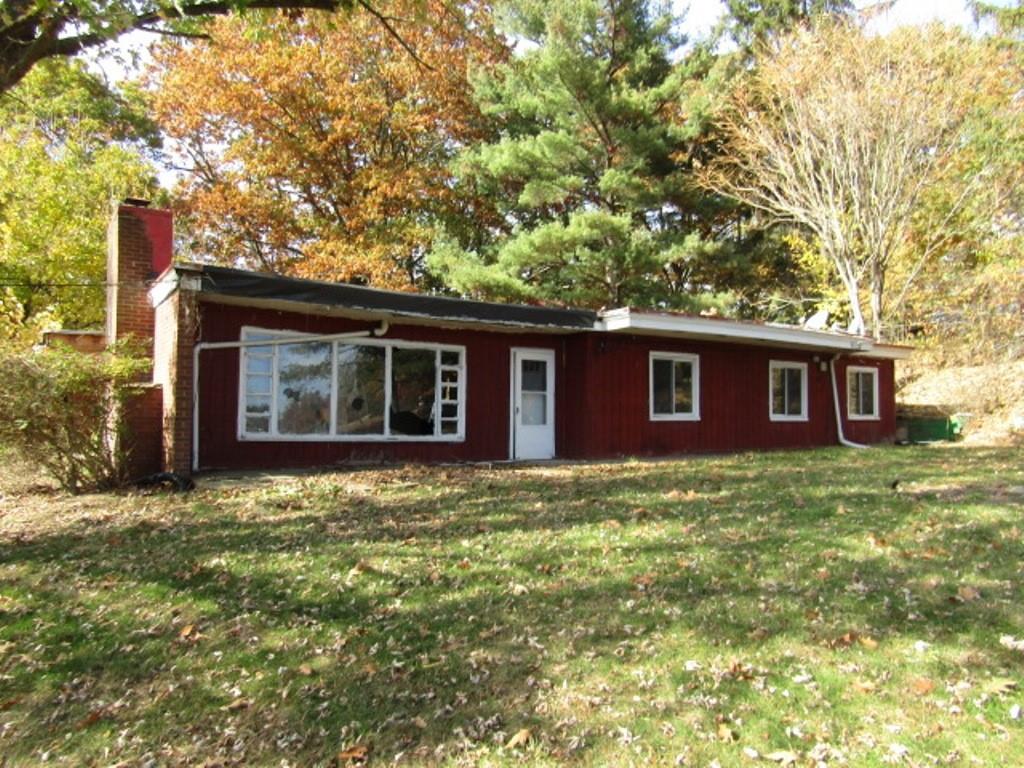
(321, 149)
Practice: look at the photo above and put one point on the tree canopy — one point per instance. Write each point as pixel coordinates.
(69, 146)
(844, 134)
(32, 31)
(589, 171)
(574, 152)
(320, 148)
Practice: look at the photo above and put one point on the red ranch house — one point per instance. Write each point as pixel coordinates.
(259, 371)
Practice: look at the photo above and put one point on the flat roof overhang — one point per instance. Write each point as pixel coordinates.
(669, 325)
(224, 285)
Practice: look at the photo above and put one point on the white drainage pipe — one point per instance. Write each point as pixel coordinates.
(835, 402)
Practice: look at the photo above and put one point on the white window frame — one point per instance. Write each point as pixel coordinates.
(389, 344)
(850, 372)
(777, 365)
(674, 357)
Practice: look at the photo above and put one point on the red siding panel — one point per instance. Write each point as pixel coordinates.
(601, 391)
(487, 394)
(734, 392)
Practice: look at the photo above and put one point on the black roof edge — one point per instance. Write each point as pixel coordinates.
(227, 281)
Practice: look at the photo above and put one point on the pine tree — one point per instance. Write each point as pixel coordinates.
(590, 171)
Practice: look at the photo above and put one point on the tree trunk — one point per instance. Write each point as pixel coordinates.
(856, 313)
(877, 292)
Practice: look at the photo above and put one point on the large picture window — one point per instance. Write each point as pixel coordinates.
(675, 387)
(350, 389)
(861, 393)
(787, 383)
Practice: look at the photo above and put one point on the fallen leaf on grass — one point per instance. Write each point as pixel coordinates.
(91, 719)
(864, 686)
(305, 669)
(354, 755)
(237, 704)
(360, 568)
(922, 686)
(845, 640)
(677, 495)
(968, 593)
(520, 738)
(643, 581)
(726, 733)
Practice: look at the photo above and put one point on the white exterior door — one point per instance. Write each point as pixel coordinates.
(533, 404)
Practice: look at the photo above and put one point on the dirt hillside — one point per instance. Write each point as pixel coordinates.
(993, 396)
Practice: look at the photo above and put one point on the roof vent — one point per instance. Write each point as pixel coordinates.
(138, 202)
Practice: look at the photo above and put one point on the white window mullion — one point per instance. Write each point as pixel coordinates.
(386, 429)
(334, 388)
(462, 395)
(273, 389)
(437, 393)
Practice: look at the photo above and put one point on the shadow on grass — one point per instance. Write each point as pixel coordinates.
(430, 616)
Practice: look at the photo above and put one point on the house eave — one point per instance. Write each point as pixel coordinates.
(375, 315)
(231, 286)
(628, 321)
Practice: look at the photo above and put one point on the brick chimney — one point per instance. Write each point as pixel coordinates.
(139, 249)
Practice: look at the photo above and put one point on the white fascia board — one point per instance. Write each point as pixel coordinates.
(169, 282)
(889, 352)
(625, 321)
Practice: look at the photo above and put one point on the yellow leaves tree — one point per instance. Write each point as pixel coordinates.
(321, 148)
(843, 133)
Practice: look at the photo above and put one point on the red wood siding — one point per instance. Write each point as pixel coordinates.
(487, 395)
(601, 389)
(884, 429)
(611, 383)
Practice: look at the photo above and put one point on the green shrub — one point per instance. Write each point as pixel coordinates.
(61, 409)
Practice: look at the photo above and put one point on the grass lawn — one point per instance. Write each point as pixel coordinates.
(759, 609)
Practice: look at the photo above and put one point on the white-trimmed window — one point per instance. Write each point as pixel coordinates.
(787, 391)
(862, 393)
(675, 387)
(350, 389)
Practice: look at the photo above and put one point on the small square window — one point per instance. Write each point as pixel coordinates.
(862, 393)
(788, 391)
(675, 387)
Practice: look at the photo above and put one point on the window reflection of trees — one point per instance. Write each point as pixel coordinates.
(304, 389)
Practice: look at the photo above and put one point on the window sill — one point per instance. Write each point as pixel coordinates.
(784, 419)
(351, 438)
(851, 417)
(675, 417)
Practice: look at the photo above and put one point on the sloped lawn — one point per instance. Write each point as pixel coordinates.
(771, 609)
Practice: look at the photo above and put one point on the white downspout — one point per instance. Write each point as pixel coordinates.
(835, 402)
(203, 345)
